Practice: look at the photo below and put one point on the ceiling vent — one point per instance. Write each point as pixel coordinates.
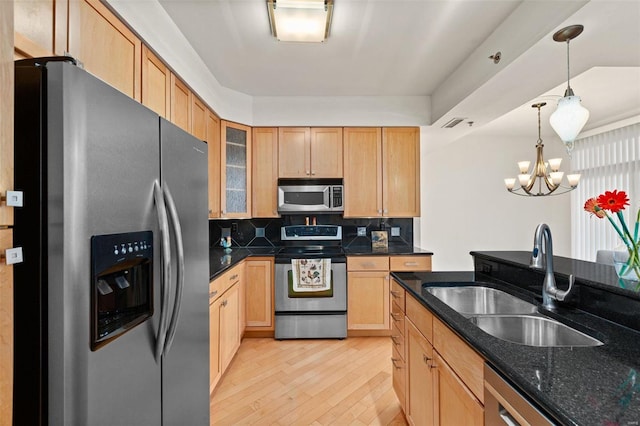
(453, 123)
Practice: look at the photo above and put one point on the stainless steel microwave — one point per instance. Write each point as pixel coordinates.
(310, 196)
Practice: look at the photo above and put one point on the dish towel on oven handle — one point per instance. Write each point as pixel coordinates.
(311, 274)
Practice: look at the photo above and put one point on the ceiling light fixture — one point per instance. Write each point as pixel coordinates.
(570, 116)
(548, 174)
(300, 20)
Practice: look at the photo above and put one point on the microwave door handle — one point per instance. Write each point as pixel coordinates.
(165, 278)
(177, 230)
(327, 197)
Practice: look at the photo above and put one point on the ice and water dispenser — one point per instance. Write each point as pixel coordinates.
(121, 285)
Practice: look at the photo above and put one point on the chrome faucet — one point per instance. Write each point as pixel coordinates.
(550, 293)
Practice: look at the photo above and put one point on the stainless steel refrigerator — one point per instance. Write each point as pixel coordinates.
(111, 302)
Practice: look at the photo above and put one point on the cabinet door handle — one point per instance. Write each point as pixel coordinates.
(385, 211)
(307, 172)
(368, 265)
(410, 263)
(224, 302)
(213, 294)
(395, 293)
(395, 316)
(426, 359)
(393, 361)
(395, 342)
(233, 277)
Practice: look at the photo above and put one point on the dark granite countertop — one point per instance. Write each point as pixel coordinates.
(575, 385)
(220, 261)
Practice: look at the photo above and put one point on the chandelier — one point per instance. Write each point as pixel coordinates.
(570, 116)
(544, 178)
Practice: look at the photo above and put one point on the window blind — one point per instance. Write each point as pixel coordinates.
(606, 161)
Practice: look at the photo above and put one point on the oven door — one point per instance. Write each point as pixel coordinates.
(304, 198)
(336, 302)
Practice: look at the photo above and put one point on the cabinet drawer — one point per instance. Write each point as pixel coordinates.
(224, 281)
(368, 263)
(397, 317)
(421, 317)
(398, 294)
(410, 263)
(397, 340)
(399, 376)
(463, 360)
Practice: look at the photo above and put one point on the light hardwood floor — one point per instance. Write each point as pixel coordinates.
(308, 382)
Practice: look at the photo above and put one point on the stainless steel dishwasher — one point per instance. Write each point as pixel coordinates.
(504, 405)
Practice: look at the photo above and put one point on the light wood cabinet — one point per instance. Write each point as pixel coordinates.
(456, 404)
(40, 27)
(382, 172)
(235, 170)
(310, 152)
(445, 377)
(214, 148)
(368, 293)
(264, 171)
(399, 342)
(259, 294)
(105, 46)
(198, 119)
(420, 394)
(6, 213)
(181, 100)
(401, 171)
(156, 84)
(225, 321)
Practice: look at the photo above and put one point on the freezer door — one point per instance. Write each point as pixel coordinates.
(102, 151)
(185, 365)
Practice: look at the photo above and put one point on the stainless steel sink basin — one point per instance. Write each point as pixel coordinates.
(532, 330)
(475, 300)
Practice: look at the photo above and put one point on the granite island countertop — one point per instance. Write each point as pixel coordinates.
(575, 385)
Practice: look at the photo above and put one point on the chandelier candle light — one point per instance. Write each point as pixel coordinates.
(547, 175)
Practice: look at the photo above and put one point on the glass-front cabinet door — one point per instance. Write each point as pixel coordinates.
(235, 173)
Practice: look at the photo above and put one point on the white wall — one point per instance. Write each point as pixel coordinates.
(466, 207)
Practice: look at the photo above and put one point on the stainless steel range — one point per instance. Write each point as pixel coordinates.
(311, 283)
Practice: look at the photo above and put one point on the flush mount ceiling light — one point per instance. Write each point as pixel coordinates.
(570, 116)
(548, 174)
(300, 20)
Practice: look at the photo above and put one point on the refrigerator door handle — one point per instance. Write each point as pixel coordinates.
(165, 280)
(177, 229)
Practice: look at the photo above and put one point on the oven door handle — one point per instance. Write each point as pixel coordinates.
(177, 231)
(165, 279)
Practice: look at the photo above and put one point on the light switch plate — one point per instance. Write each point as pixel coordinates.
(395, 231)
(362, 231)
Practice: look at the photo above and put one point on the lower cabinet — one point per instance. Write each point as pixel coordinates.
(225, 321)
(444, 376)
(420, 392)
(259, 294)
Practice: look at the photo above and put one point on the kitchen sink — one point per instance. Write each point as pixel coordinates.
(475, 300)
(532, 330)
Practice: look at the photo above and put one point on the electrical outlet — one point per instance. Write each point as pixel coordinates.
(362, 231)
(395, 231)
(234, 227)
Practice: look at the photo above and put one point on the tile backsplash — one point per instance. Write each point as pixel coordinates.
(266, 232)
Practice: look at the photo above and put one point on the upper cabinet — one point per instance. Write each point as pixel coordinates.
(198, 118)
(181, 103)
(156, 84)
(35, 32)
(213, 145)
(382, 172)
(106, 47)
(305, 152)
(264, 171)
(235, 170)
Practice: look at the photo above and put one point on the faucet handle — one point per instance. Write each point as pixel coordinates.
(560, 294)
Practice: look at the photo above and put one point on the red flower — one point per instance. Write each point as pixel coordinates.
(613, 201)
(591, 206)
